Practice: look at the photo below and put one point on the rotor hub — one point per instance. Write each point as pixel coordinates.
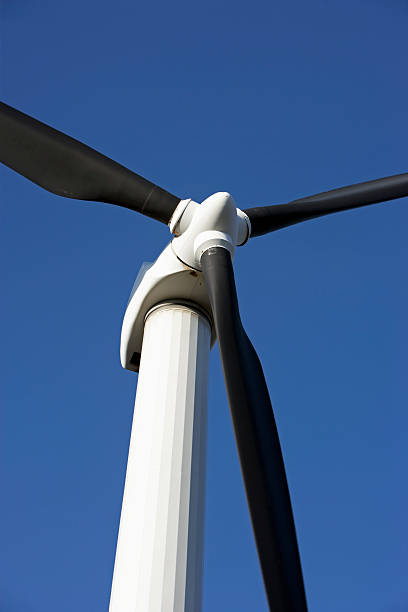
(217, 222)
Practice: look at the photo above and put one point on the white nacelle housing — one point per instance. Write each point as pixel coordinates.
(168, 280)
(176, 275)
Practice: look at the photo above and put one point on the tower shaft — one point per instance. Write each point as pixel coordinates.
(159, 555)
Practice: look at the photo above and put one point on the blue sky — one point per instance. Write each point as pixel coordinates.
(270, 101)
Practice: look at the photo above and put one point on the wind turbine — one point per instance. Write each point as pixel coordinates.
(178, 307)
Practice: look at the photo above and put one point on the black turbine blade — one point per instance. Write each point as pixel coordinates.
(266, 219)
(70, 168)
(257, 440)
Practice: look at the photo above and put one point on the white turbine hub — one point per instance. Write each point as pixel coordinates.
(216, 222)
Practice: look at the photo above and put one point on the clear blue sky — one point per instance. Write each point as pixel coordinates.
(270, 101)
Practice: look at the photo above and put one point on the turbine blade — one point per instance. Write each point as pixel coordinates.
(265, 219)
(70, 168)
(257, 441)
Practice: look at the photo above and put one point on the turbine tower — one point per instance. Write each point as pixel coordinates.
(179, 306)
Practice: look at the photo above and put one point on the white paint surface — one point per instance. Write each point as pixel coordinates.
(159, 556)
